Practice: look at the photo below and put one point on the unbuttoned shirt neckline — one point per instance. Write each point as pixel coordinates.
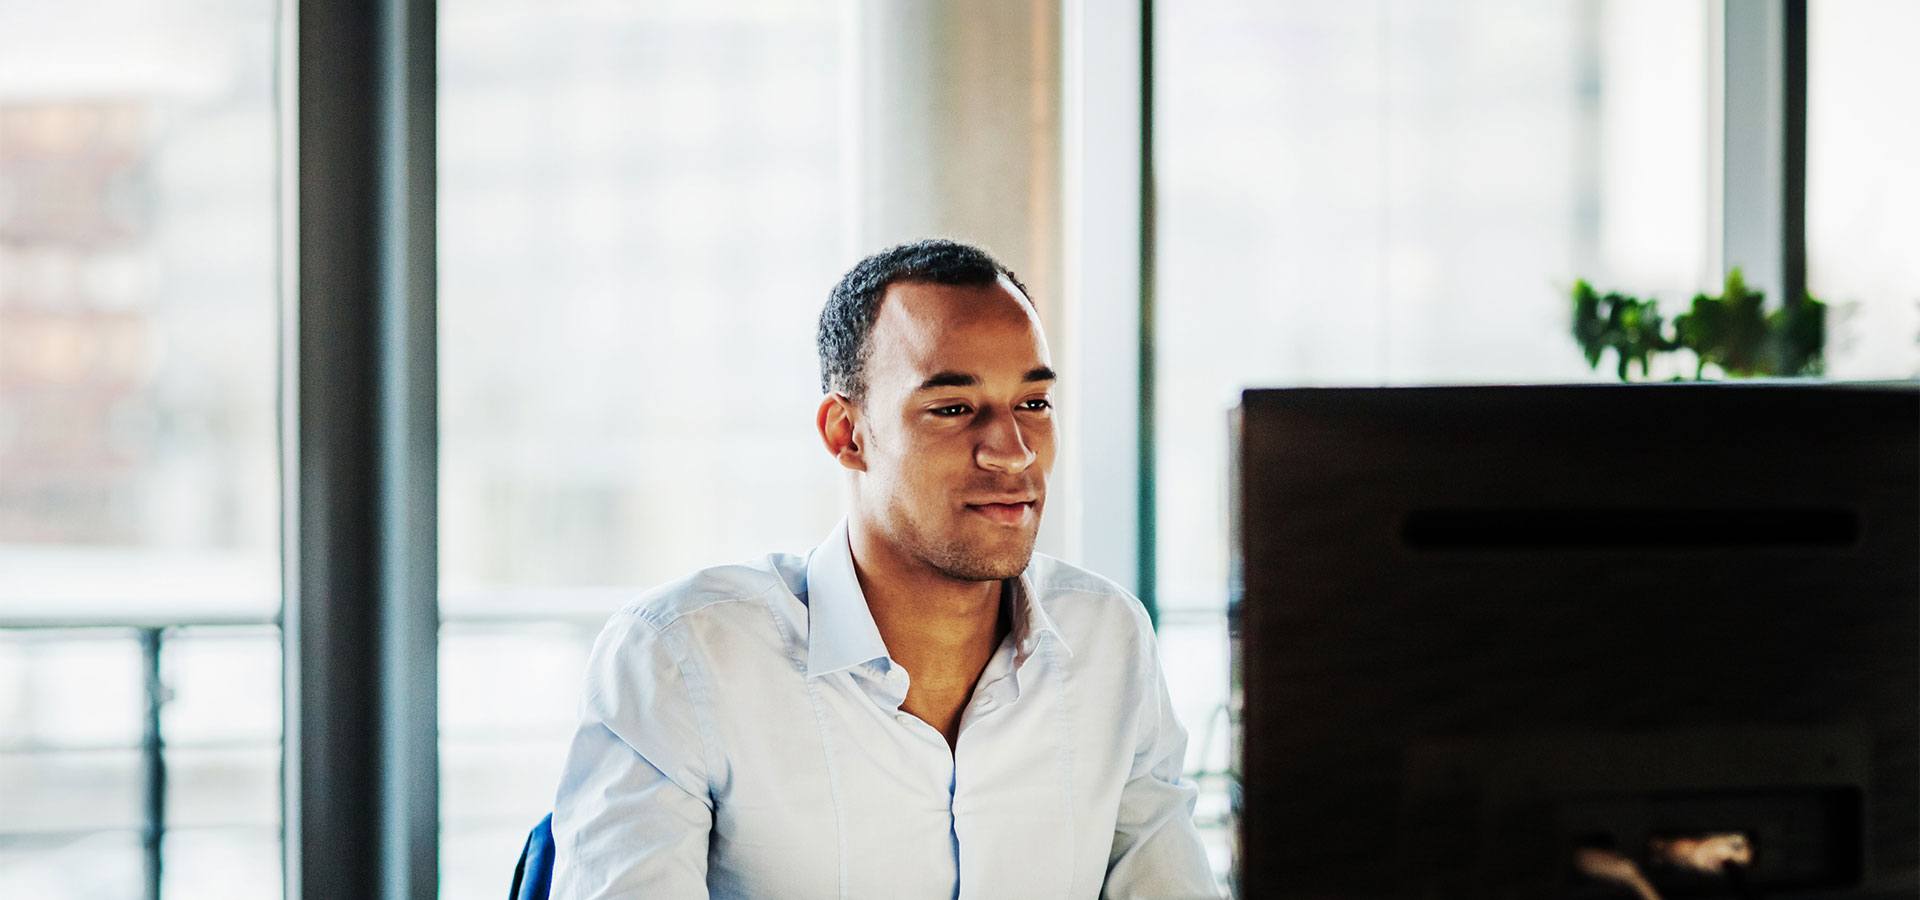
(842, 636)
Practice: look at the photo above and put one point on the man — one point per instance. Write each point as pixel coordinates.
(921, 707)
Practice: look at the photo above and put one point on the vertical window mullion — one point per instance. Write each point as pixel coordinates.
(1763, 143)
(361, 620)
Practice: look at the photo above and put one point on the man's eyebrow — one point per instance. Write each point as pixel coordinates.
(948, 379)
(962, 379)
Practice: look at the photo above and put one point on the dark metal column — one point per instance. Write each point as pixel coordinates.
(361, 618)
(1793, 153)
(1763, 143)
(1146, 517)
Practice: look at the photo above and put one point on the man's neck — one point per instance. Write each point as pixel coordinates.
(943, 630)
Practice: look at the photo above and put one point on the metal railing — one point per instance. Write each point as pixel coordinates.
(585, 609)
(153, 761)
(150, 635)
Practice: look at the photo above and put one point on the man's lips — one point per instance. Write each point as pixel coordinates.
(1013, 513)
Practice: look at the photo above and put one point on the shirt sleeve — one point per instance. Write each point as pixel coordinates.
(1157, 851)
(633, 810)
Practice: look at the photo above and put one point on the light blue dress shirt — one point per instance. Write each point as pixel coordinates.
(742, 736)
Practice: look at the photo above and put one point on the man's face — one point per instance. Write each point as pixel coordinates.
(958, 427)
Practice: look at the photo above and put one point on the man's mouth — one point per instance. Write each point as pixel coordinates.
(1004, 513)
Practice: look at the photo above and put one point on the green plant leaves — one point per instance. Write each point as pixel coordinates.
(1732, 332)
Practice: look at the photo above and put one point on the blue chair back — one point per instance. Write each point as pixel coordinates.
(533, 877)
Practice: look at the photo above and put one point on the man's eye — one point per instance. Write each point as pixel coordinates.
(957, 409)
(1038, 404)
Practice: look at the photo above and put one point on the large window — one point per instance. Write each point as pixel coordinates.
(640, 216)
(1394, 193)
(1401, 193)
(139, 502)
(1863, 184)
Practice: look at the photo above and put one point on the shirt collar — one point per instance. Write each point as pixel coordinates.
(841, 632)
(1030, 620)
(840, 629)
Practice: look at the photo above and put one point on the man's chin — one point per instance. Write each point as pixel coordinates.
(990, 560)
(995, 567)
(984, 570)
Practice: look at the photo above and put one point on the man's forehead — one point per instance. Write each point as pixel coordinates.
(931, 303)
(984, 331)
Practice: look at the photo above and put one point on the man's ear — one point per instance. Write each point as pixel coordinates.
(838, 420)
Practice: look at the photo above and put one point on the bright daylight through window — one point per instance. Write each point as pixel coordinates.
(139, 498)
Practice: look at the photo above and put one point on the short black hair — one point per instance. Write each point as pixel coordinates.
(846, 324)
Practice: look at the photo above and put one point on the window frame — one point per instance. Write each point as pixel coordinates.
(359, 444)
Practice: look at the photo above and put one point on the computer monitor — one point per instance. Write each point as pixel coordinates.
(1581, 641)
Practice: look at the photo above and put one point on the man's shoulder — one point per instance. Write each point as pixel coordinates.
(715, 590)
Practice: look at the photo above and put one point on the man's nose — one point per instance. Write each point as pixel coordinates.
(1002, 447)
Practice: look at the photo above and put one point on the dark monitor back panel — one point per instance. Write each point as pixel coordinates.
(1482, 634)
